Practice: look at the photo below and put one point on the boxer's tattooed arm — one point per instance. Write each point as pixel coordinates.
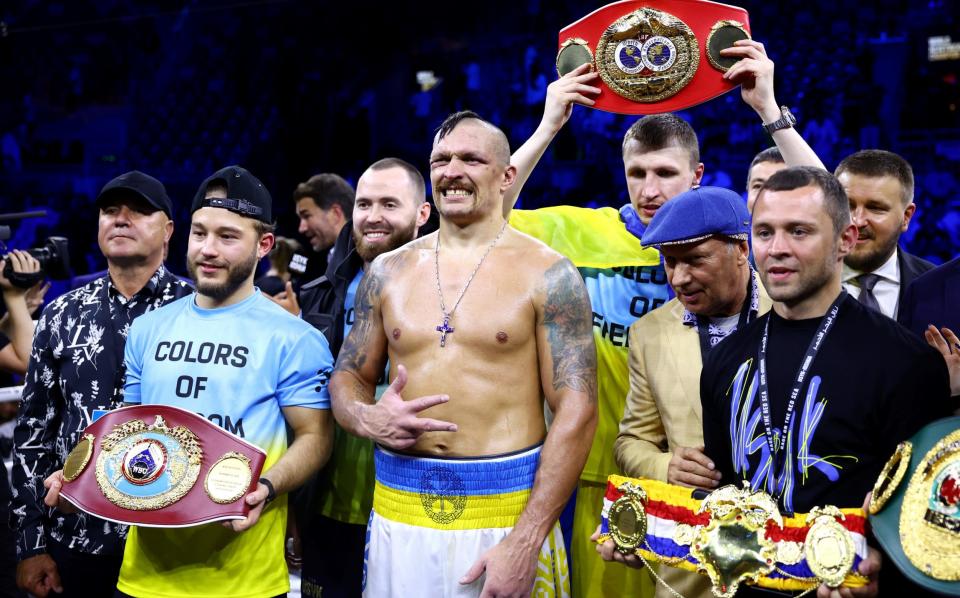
(352, 356)
(568, 319)
(367, 335)
(353, 353)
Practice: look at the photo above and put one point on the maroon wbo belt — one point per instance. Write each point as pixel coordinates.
(655, 55)
(161, 466)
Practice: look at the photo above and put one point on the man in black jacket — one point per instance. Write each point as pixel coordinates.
(879, 185)
(389, 210)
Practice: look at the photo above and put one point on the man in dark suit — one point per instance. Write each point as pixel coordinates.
(933, 299)
(879, 185)
(929, 309)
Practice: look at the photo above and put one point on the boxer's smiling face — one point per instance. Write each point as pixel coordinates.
(881, 212)
(468, 176)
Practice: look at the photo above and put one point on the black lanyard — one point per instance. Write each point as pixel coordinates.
(775, 443)
(703, 323)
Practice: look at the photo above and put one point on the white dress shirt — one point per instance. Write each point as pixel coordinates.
(887, 289)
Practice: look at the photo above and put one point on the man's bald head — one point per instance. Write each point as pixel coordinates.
(499, 145)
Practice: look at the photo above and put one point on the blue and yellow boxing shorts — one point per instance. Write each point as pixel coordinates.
(433, 518)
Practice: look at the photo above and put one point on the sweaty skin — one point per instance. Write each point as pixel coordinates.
(477, 396)
(485, 367)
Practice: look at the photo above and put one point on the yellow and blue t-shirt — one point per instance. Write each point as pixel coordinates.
(237, 366)
(624, 281)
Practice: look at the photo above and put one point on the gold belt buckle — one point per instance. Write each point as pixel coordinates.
(628, 518)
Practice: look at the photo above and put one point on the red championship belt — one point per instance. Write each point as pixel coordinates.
(160, 466)
(655, 55)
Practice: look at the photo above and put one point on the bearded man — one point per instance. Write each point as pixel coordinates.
(877, 272)
(389, 210)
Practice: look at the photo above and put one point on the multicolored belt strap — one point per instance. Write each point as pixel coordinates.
(734, 536)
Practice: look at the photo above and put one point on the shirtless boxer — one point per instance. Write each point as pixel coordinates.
(488, 322)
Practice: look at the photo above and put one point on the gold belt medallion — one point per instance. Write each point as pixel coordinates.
(829, 548)
(573, 53)
(733, 548)
(647, 55)
(143, 467)
(723, 35)
(228, 478)
(890, 478)
(628, 518)
(930, 516)
(78, 458)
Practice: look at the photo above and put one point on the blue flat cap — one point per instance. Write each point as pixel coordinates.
(696, 215)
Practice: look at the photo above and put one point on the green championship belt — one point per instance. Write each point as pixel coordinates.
(915, 507)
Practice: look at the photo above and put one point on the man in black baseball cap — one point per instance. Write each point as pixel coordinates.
(75, 373)
(137, 184)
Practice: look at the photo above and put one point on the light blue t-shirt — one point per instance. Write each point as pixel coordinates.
(237, 366)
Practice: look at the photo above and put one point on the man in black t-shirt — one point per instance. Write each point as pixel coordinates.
(860, 382)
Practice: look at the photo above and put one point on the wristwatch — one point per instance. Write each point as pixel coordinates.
(271, 493)
(786, 120)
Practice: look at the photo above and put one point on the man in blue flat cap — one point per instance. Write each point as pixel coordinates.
(702, 235)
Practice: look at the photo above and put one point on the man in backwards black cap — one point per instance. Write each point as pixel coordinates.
(269, 372)
(74, 374)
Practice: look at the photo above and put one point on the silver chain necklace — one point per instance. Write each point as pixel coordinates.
(444, 329)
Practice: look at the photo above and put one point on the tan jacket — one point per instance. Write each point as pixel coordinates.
(663, 407)
(663, 403)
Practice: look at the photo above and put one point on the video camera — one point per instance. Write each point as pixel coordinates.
(53, 255)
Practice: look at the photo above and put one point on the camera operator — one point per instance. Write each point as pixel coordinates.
(16, 327)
